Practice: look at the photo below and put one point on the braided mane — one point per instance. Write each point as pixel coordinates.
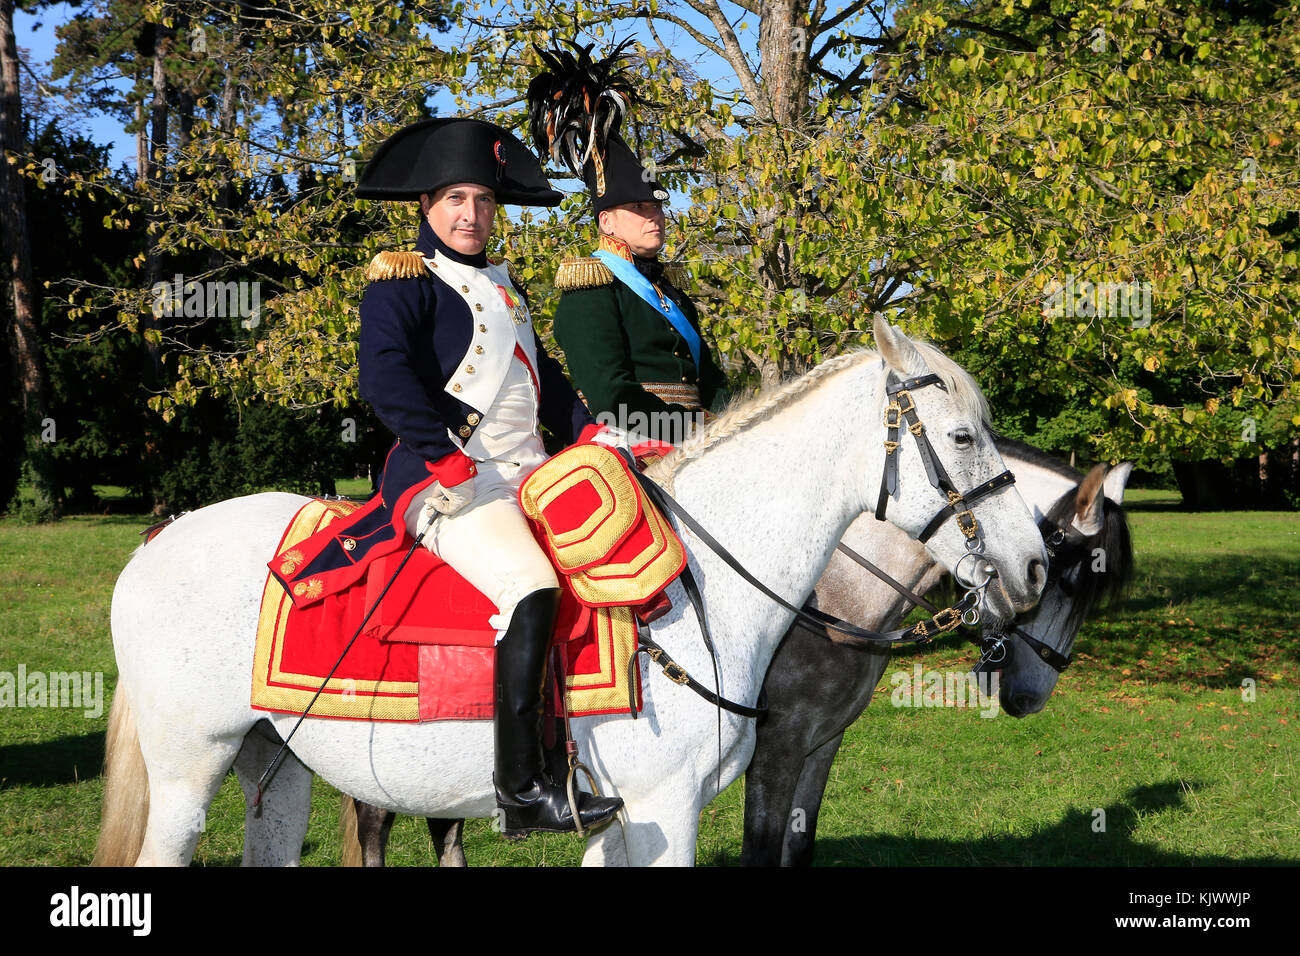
(743, 413)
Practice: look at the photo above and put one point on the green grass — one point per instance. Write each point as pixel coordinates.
(1149, 726)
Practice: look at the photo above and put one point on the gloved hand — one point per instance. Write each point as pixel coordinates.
(447, 501)
(613, 437)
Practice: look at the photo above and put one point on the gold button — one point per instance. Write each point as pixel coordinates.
(482, 328)
(478, 350)
(465, 431)
(473, 418)
(349, 544)
(469, 370)
(478, 306)
(433, 264)
(456, 387)
(464, 288)
(685, 379)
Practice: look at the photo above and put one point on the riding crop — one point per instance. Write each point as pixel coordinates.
(269, 773)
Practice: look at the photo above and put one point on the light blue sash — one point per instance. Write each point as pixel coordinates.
(628, 274)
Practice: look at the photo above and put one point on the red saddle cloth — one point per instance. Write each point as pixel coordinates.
(426, 652)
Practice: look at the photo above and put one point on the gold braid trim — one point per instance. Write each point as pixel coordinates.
(395, 265)
(585, 273)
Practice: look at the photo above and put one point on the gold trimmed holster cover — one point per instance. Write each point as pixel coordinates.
(601, 531)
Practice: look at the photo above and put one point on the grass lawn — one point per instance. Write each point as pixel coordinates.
(1149, 733)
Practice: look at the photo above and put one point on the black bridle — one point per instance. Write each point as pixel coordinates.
(901, 409)
(998, 650)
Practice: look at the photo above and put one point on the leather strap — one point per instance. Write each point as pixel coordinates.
(922, 631)
(961, 504)
(677, 674)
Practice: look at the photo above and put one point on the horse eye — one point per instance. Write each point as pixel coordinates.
(963, 439)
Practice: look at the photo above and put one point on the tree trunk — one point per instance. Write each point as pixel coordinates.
(28, 364)
(153, 268)
(784, 56)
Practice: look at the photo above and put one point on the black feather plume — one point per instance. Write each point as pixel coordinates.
(575, 104)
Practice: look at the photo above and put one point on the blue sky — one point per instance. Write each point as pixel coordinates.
(36, 34)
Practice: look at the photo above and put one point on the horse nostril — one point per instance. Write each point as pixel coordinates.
(1038, 574)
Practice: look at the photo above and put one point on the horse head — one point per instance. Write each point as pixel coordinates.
(1092, 560)
(939, 477)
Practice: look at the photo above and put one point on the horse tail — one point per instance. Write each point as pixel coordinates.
(126, 789)
(348, 832)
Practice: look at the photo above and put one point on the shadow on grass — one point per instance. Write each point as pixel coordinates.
(1265, 583)
(53, 763)
(1071, 841)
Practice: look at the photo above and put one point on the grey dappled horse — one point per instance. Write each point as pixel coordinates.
(816, 687)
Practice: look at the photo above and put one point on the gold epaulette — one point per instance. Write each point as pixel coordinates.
(585, 273)
(395, 265)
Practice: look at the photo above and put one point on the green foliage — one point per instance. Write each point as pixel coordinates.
(1012, 180)
(217, 454)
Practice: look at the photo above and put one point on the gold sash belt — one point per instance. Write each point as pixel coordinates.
(675, 393)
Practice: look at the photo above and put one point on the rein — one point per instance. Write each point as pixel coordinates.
(269, 773)
(901, 409)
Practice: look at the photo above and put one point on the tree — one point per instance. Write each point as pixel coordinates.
(1065, 187)
(24, 345)
(241, 112)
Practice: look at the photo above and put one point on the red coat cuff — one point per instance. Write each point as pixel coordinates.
(651, 449)
(453, 469)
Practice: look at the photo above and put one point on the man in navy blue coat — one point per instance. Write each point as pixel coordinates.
(451, 363)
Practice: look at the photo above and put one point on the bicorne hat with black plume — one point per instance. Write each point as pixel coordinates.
(575, 109)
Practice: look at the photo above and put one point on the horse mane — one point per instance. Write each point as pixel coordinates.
(1032, 455)
(742, 413)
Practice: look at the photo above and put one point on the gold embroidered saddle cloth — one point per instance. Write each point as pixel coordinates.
(426, 652)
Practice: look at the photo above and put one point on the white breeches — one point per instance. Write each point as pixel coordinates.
(489, 542)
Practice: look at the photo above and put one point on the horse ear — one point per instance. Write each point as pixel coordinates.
(1117, 480)
(897, 349)
(1088, 502)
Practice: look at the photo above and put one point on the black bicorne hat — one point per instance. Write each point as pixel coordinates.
(575, 108)
(430, 154)
(618, 177)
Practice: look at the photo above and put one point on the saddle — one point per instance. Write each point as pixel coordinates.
(426, 651)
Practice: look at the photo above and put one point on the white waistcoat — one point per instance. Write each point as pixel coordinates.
(499, 326)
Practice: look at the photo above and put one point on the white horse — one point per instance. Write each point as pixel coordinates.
(776, 480)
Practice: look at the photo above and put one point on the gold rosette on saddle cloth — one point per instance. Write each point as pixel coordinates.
(602, 532)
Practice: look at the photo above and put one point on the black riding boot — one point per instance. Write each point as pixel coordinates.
(527, 796)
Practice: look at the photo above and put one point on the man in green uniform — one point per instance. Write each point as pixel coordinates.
(631, 337)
